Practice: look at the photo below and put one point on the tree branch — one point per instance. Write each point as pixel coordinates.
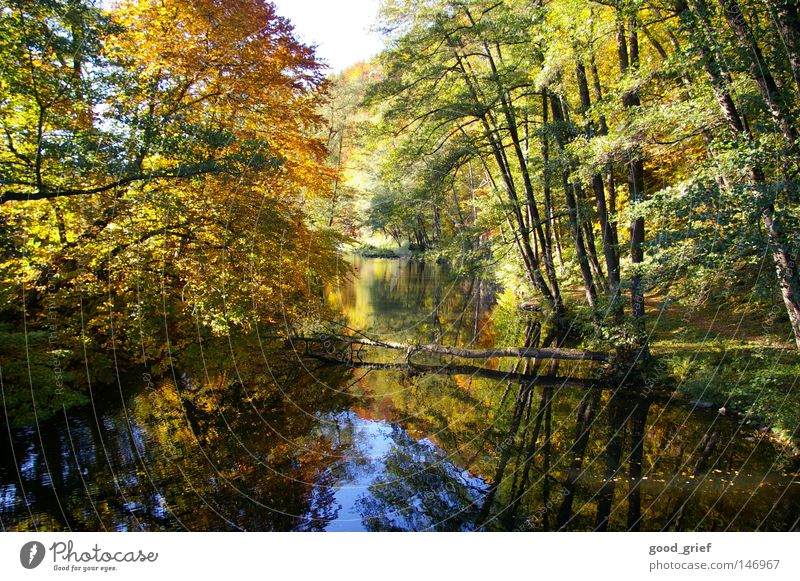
(180, 172)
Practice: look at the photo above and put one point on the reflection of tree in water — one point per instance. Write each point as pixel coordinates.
(423, 302)
(265, 453)
(595, 459)
(616, 468)
(210, 455)
(420, 490)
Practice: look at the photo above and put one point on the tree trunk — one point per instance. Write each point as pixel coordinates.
(759, 70)
(605, 209)
(572, 207)
(538, 353)
(547, 194)
(786, 268)
(557, 239)
(588, 235)
(630, 100)
(788, 26)
(785, 265)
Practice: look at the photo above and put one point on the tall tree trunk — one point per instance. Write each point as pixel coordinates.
(787, 22)
(461, 223)
(760, 71)
(336, 178)
(588, 235)
(547, 193)
(636, 189)
(557, 240)
(572, 207)
(472, 192)
(785, 264)
(605, 209)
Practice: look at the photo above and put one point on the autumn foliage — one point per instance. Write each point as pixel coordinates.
(155, 165)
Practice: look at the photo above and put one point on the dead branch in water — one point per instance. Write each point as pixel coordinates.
(420, 369)
(538, 353)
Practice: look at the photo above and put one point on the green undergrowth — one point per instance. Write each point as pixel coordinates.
(733, 358)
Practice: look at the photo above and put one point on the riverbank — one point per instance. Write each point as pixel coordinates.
(731, 359)
(717, 355)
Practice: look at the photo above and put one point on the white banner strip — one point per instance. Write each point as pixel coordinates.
(389, 556)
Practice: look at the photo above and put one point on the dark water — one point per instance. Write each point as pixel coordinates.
(245, 435)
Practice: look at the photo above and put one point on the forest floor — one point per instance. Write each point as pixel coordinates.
(732, 357)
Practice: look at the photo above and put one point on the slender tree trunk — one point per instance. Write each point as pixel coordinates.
(785, 266)
(557, 239)
(336, 178)
(611, 185)
(609, 170)
(787, 23)
(760, 71)
(472, 192)
(462, 224)
(547, 193)
(572, 207)
(61, 226)
(588, 235)
(630, 100)
(607, 231)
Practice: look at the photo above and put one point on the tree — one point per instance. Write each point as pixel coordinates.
(532, 93)
(155, 165)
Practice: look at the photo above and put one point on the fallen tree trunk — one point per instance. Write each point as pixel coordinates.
(539, 353)
(419, 369)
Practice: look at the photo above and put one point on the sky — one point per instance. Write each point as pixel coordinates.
(339, 28)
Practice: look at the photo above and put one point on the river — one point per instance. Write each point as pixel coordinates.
(246, 435)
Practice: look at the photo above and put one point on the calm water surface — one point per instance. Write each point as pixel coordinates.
(246, 435)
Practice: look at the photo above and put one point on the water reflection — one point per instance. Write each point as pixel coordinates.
(246, 436)
(395, 482)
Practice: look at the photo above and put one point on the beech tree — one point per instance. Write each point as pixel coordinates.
(155, 161)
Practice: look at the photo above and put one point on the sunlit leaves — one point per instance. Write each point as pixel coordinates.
(186, 134)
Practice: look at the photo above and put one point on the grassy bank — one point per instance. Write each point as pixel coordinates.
(734, 358)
